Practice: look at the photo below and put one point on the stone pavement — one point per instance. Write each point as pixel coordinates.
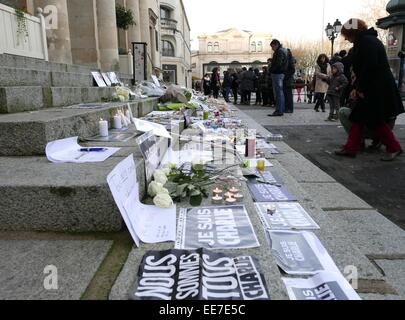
(104, 265)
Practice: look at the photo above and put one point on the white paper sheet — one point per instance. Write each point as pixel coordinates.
(324, 286)
(68, 151)
(300, 253)
(183, 156)
(148, 224)
(156, 128)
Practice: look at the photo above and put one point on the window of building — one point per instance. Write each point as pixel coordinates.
(253, 47)
(216, 47)
(167, 48)
(260, 46)
(209, 47)
(165, 13)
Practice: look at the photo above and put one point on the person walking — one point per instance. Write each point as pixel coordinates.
(257, 87)
(299, 85)
(235, 86)
(288, 83)
(322, 68)
(206, 84)
(264, 86)
(277, 70)
(337, 83)
(227, 85)
(375, 94)
(215, 83)
(247, 84)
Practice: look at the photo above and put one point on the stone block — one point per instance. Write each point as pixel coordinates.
(23, 263)
(20, 99)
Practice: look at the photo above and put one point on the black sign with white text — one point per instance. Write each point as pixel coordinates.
(199, 275)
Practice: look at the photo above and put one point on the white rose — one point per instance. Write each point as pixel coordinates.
(154, 188)
(167, 171)
(163, 200)
(160, 177)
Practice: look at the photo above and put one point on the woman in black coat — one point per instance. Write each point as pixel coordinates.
(375, 93)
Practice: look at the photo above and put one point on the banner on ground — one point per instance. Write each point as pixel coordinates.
(300, 253)
(324, 286)
(264, 192)
(224, 227)
(199, 275)
(285, 216)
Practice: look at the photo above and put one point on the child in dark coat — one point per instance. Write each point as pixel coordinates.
(337, 83)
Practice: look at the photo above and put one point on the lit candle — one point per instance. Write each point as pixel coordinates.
(117, 122)
(271, 210)
(234, 190)
(228, 195)
(217, 191)
(103, 126)
(217, 200)
(128, 116)
(124, 119)
(230, 200)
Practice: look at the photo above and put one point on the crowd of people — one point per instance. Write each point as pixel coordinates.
(358, 85)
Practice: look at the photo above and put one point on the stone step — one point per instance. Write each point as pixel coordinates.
(42, 196)
(13, 77)
(12, 61)
(34, 98)
(26, 134)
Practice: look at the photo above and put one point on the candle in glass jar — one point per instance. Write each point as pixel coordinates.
(217, 200)
(230, 200)
(117, 122)
(234, 190)
(103, 128)
(217, 191)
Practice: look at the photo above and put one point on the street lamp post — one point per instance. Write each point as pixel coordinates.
(332, 32)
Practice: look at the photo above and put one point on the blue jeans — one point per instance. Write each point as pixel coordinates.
(227, 91)
(278, 88)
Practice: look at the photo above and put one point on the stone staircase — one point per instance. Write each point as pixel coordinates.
(37, 195)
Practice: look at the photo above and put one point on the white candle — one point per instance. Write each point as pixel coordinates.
(103, 126)
(124, 119)
(128, 116)
(117, 122)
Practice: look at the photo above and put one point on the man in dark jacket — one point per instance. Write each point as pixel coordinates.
(247, 85)
(288, 83)
(277, 70)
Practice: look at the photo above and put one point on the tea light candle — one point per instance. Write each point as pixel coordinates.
(239, 197)
(228, 195)
(103, 128)
(230, 200)
(217, 200)
(217, 191)
(117, 122)
(234, 190)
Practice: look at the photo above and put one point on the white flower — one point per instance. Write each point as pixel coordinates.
(167, 171)
(160, 177)
(163, 200)
(155, 188)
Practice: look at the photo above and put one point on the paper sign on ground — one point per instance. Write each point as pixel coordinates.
(146, 223)
(224, 227)
(262, 192)
(99, 79)
(287, 216)
(68, 151)
(300, 253)
(324, 286)
(156, 128)
(199, 275)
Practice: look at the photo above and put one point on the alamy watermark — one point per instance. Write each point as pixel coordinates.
(51, 278)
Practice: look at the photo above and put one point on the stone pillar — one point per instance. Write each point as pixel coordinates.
(83, 30)
(58, 34)
(134, 32)
(107, 35)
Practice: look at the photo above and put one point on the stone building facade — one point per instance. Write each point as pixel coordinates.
(85, 32)
(230, 48)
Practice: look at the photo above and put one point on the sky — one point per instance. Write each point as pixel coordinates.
(285, 19)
